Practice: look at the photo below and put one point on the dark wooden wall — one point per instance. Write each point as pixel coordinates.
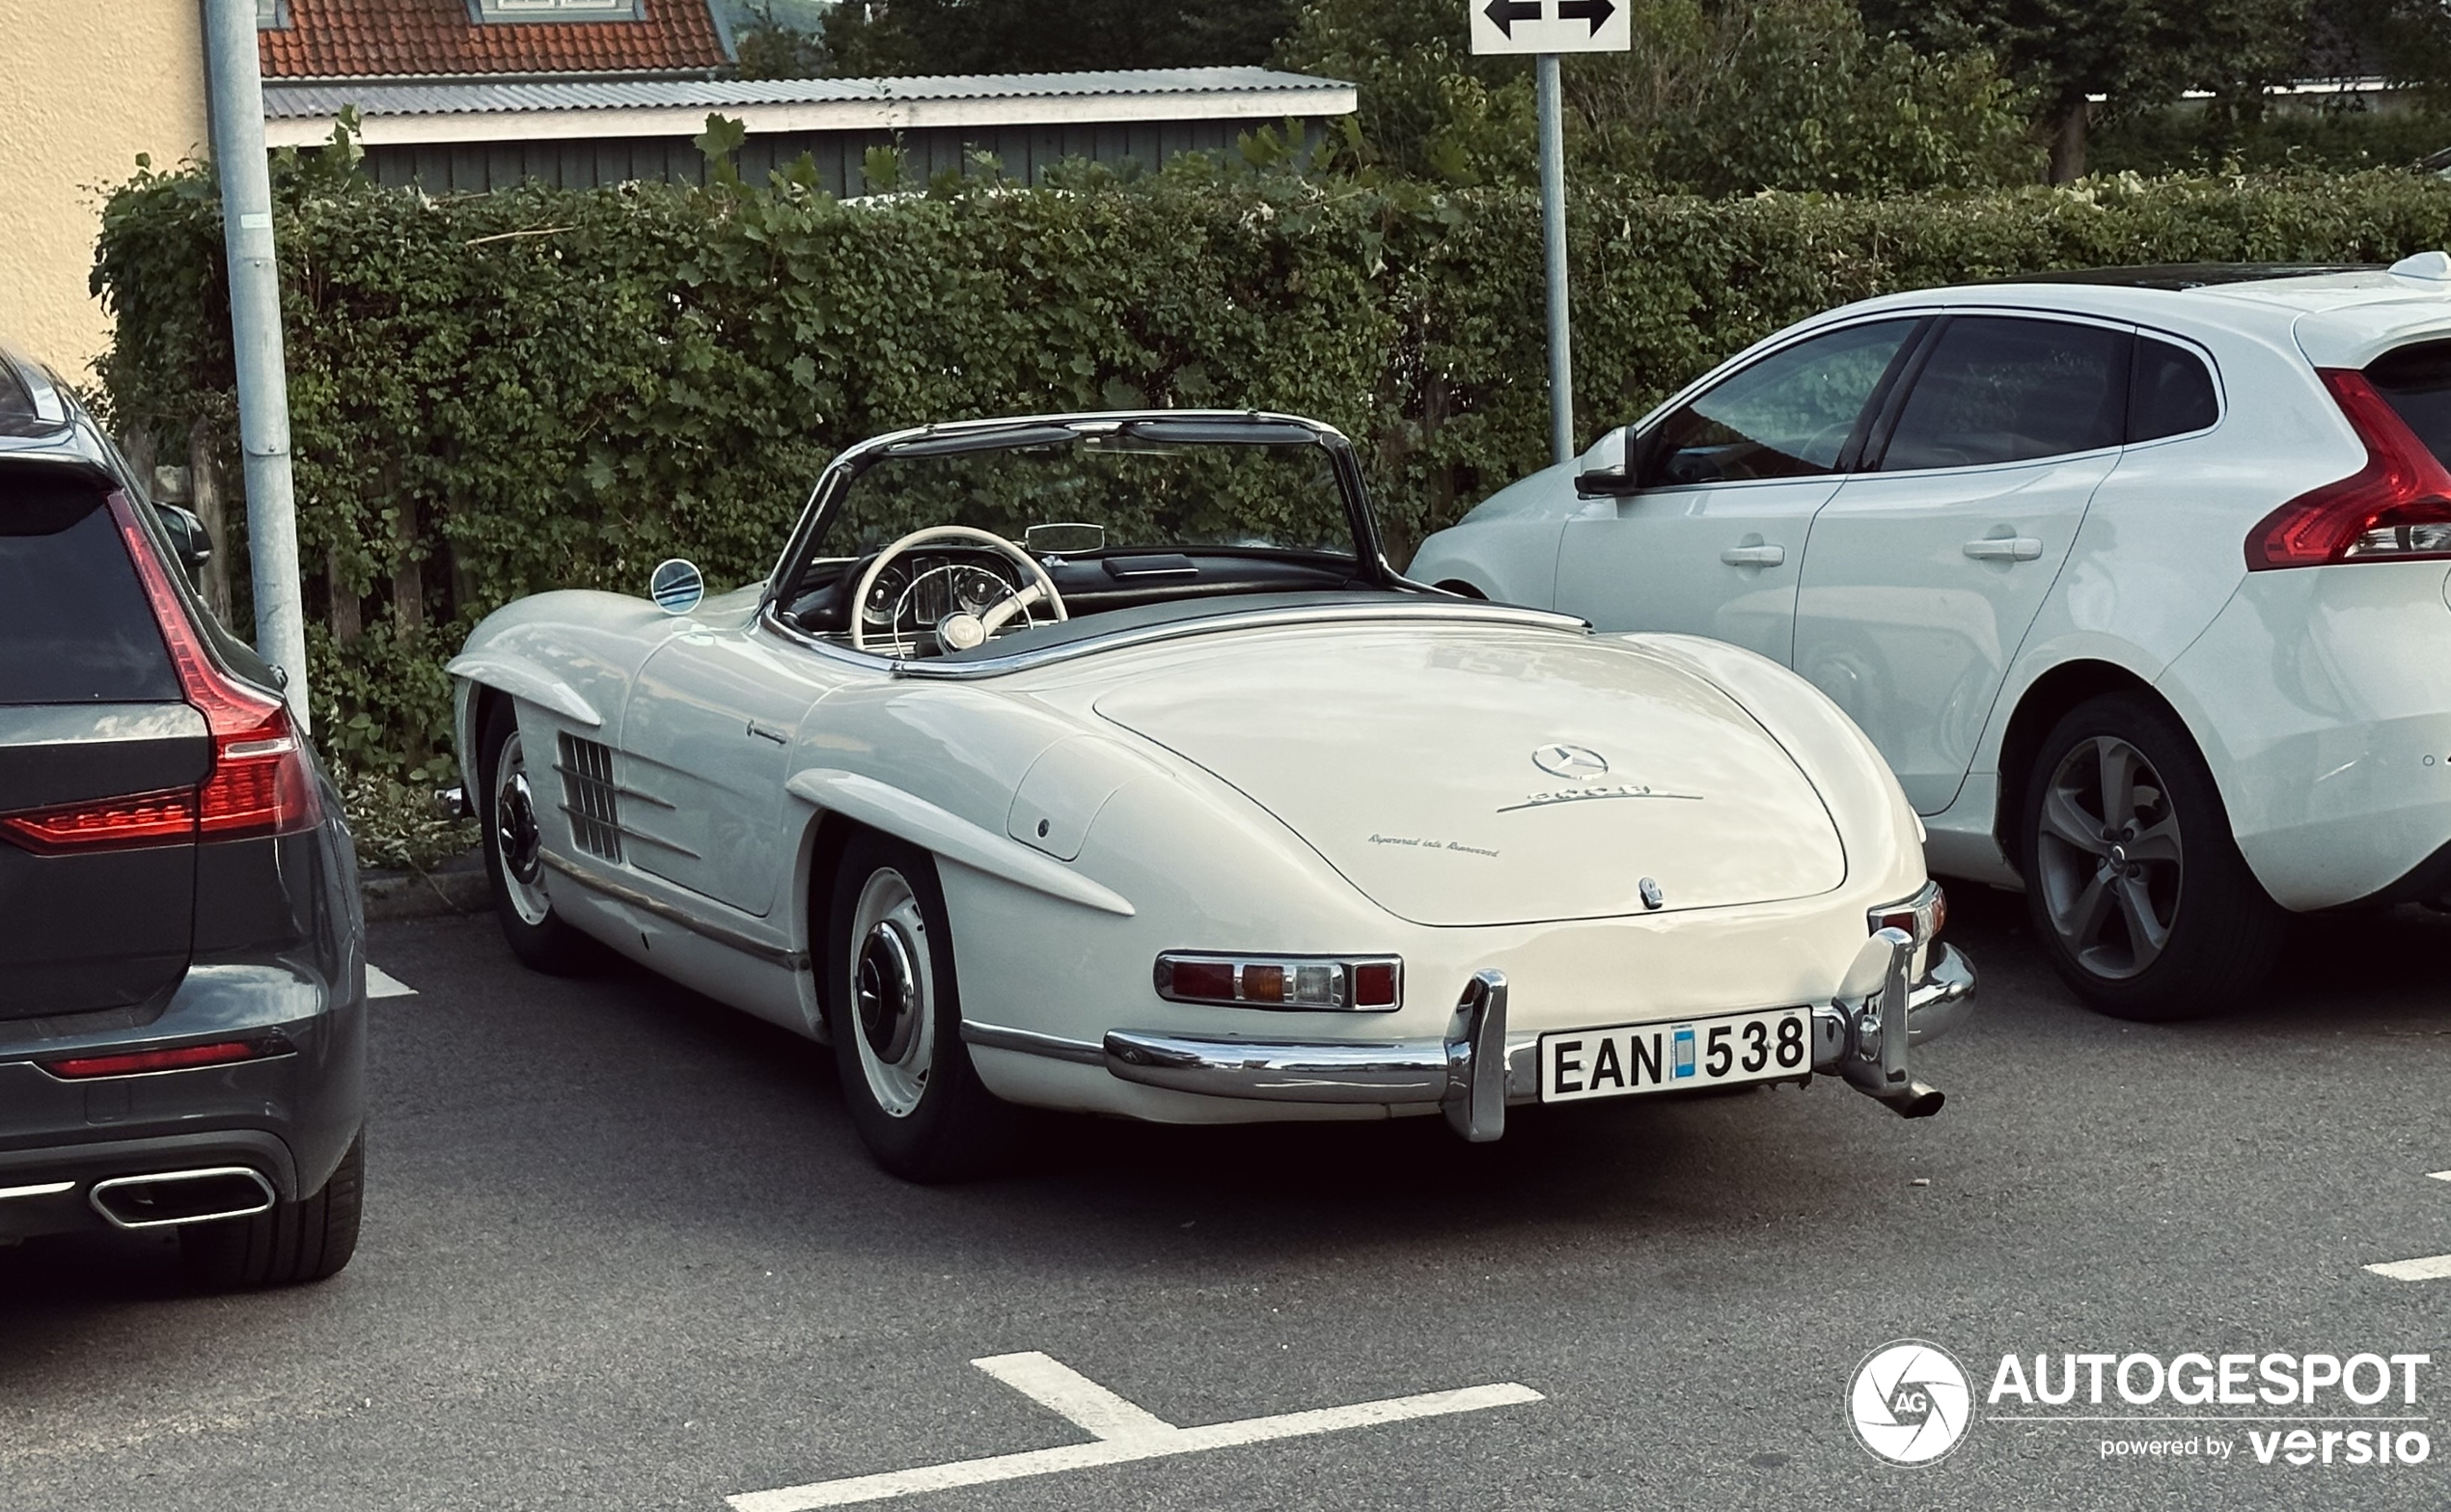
(1026, 152)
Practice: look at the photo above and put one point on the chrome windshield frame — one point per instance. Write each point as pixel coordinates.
(1266, 428)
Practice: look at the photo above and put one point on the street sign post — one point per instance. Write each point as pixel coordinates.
(1547, 28)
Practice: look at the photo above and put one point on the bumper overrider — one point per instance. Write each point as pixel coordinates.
(1475, 1070)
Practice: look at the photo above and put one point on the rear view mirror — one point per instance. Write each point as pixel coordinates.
(677, 586)
(1063, 541)
(188, 539)
(1607, 468)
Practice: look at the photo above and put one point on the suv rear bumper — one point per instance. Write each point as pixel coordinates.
(2322, 698)
(288, 1117)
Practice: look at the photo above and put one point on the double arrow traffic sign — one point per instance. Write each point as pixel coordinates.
(1550, 26)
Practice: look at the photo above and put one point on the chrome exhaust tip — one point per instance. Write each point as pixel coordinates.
(167, 1198)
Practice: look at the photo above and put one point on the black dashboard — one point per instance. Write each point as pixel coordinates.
(925, 586)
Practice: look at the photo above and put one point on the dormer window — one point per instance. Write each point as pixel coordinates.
(555, 10)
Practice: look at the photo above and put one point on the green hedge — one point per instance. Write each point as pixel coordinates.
(499, 394)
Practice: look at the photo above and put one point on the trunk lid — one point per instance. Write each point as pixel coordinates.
(90, 712)
(1472, 778)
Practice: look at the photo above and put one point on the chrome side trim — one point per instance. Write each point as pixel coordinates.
(41, 1189)
(1030, 1042)
(1406, 610)
(619, 893)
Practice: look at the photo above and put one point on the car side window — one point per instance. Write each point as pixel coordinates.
(1786, 416)
(2169, 392)
(1999, 388)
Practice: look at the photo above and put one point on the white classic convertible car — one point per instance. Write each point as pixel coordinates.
(1101, 763)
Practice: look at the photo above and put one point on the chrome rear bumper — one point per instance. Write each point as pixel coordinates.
(1477, 1068)
(1464, 1073)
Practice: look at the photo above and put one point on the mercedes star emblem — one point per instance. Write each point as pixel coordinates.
(1574, 763)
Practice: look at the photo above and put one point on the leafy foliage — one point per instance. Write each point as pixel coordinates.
(903, 37)
(1727, 97)
(496, 395)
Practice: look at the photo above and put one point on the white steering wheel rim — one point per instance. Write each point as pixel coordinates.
(966, 534)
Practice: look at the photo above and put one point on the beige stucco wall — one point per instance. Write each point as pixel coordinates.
(84, 88)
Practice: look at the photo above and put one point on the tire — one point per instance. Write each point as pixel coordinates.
(2143, 902)
(291, 1243)
(896, 1020)
(514, 858)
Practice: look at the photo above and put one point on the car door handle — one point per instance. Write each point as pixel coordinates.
(761, 732)
(1753, 556)
(2006, 548)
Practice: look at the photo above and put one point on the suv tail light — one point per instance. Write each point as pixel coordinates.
(261, 783)
(2395, 508)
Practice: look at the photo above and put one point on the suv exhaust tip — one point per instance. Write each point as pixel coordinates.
(166, 1198)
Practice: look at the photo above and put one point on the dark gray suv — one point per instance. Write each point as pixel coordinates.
(182, 977)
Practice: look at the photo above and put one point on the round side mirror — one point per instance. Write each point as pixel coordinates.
(677, 586)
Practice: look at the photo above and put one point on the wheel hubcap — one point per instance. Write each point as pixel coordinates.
(892, 992)
(2108, 858)
(516, 842)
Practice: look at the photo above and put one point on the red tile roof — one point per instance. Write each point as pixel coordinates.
(371, 39)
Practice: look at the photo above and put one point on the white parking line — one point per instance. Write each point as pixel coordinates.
(380, 983)
(1089, 1406)
(2432, 1268)
(1125, 1433)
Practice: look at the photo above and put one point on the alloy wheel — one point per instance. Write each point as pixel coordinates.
(2109, 858)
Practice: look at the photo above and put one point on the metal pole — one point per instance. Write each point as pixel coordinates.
(255, 339)
(1552, 234)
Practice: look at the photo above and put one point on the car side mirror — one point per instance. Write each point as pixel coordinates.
(188, 539)
(1609, 468)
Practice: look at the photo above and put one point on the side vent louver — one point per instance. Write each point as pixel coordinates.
(588, 793)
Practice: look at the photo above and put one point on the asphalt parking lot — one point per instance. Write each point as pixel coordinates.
(624, 1250)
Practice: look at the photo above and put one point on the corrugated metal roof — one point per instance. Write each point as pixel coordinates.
(316, 102)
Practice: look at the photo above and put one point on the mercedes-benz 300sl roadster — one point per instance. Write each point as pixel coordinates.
(1102, 764)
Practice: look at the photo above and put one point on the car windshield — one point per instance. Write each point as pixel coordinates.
(1148, 487)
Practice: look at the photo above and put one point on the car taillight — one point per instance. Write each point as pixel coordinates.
(261, 781)
(158, 819)
(1293, 981)
(1921, 917)
(2395, 508)
(178, 1057)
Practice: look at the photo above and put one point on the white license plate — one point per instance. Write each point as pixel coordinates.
(1771, 1045)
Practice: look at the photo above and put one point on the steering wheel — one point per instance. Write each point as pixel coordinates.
(962, 629)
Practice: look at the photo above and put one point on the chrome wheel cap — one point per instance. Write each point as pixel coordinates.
(892, 992)
(517, 845)
(2109, 858)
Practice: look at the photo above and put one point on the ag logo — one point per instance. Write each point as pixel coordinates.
(1910, 1402)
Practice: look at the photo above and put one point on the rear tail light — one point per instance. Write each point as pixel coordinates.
(2395, 508)
(178, 1057)
(261, 783)
(1921, 917)
(164, 818)
(1283, 981)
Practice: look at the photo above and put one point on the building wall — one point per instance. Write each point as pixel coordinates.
(86, 86)
(1026, 152)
